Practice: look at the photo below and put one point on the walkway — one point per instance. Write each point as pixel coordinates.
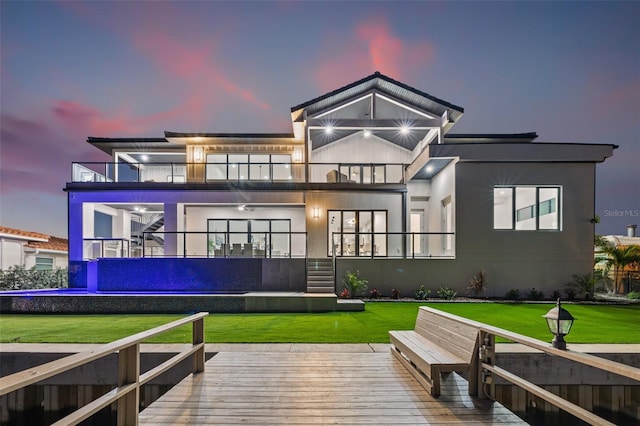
(315, 384)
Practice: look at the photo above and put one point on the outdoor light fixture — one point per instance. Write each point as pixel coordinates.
(328, 130)
(316, 212)
(144, 157)
(367, 133)
(404, 130)
(297, 156)
(559, 321)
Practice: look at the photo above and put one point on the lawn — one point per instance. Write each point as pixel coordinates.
(594, 324)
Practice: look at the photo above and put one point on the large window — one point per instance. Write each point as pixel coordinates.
(270, 167)
(249, 237)
(527, 208)
(357, 233)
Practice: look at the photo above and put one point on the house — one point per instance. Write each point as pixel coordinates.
(31, 249)
(625, 275)
(371, 178)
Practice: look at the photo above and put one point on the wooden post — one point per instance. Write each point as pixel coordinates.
(198, 338)
(129, 372)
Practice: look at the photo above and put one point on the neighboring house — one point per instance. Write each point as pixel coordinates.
(370, 179)
(31, 249)
(629, 275)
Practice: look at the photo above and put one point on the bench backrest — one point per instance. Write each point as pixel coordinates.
(458, 336)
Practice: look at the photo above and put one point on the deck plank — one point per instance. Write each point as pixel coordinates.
(316, 388)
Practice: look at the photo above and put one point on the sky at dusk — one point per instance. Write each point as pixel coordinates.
(569, 71)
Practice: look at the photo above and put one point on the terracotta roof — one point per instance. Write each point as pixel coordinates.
(36, 240)
(23, 234)
(54, 243)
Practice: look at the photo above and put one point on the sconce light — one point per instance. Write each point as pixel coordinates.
(197, 154)
(559, 321)
(297, 156)
(316, 212)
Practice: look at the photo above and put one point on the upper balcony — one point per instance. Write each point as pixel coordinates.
(202, 173)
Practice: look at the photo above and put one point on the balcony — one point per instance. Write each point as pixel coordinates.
(181, 173)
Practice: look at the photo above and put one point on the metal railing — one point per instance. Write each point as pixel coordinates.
(127, 391)
(94, 248)
(180, 173)
(224, 244)
(404, 245)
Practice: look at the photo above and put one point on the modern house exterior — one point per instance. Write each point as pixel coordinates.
(31, 250)
(371, 178)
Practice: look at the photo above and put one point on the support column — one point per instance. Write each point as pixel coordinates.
(170, 226)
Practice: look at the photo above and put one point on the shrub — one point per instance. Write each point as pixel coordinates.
(447, 293)
(571, 293)
(478, 284)
(583, 284)
(535, 294)
(635, 295)
(19, 278)
(422, 293)
(395, 294)
(374, 294)
(354, 284)
(513, 294)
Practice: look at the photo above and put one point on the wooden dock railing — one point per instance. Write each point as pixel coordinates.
(481, 382)
(127, 392)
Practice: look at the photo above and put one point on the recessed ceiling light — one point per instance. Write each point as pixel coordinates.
(404, 129)
(367, 133)
(328, 130)
(144, 157)
(429, 168)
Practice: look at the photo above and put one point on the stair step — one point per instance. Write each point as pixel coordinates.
(319, 289)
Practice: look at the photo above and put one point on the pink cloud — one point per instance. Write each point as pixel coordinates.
(372, 46)
(194, 66)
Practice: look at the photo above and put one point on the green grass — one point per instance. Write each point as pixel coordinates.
(594, 324)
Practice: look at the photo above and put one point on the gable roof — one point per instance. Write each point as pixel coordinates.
(383, 84)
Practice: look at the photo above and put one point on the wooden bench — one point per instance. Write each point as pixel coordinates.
(440, 343)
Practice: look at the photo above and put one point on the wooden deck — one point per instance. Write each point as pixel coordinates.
(316, 388)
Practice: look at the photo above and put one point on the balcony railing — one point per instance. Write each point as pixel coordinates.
(180, 173)
(403, 245)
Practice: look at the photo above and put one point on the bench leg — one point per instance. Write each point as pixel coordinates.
(435, 382)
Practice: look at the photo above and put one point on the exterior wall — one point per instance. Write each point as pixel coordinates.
(544, 260)
(201, 275)
(60, 260)
(14, 252)
(358, 149)
(324, 200)
(10, 253)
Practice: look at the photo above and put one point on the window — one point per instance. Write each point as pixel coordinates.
(249, 237)
(353, 233)
(526, 208)
(44, 263)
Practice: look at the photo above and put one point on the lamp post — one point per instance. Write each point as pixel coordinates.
(559, 321)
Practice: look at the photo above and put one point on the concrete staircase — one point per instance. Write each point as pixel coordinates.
(320, 276)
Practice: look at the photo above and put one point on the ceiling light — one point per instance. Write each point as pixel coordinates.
(404, 129)
(429, 168)
(367, 133)
(144, 157)
(328, 130)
